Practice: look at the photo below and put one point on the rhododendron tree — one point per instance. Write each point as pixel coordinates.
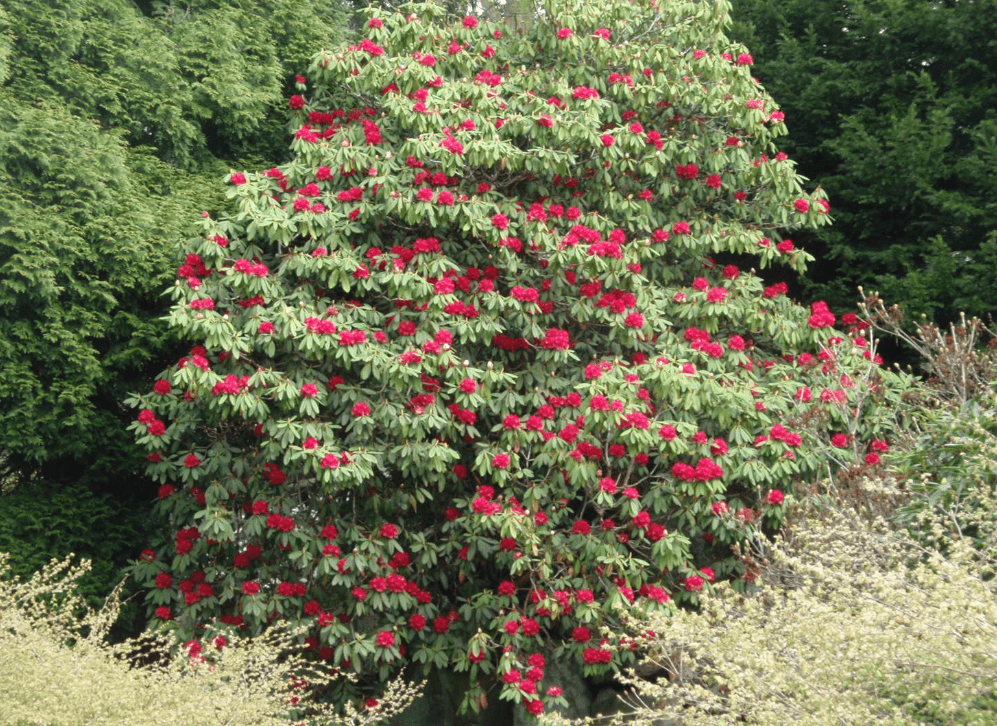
(489, 358)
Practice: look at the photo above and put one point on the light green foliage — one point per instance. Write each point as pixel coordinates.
(852, 624)
(79, 236)
(891, 103)
(192, 80)
(56, 669)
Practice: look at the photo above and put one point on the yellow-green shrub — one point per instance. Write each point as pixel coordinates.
(56, 668)
(851, 623)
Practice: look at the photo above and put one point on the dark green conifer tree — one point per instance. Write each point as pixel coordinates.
(892, 106)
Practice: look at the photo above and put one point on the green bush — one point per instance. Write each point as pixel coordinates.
(38, 523)
(491, 354)
(116, 117)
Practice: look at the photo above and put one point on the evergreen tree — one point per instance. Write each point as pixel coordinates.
(115, 119)
(890, 105)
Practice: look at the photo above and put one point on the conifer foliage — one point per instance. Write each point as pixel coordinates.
(488, 359)
(116, 117)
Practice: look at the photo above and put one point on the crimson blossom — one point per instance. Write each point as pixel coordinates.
(461, 391)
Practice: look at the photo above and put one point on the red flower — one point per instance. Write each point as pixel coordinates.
(296, 102)
(689, 171)
(555, 339)
(693, 583)
(191, 461)
(716, 295)
(655, 531)
(563, 33)
(595, 656)
(500, 461)
(250, 588)
(361, 409)
(774, 497)
(417, 622)
(389, 531)
(385, 639)
(820, 315)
